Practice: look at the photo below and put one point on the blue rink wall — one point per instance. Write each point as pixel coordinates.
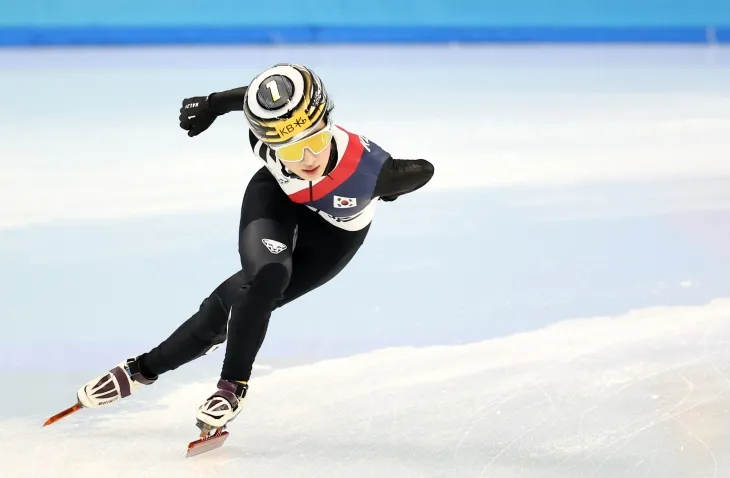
(136, 22)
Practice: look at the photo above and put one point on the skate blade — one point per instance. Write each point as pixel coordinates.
(204, 444)
(63, 414)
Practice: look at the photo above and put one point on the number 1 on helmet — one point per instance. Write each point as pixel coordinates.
(274, 90)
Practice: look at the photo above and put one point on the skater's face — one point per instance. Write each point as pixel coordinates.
(312, 164)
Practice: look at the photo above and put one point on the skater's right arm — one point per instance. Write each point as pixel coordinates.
(226, 101)
(199, 112)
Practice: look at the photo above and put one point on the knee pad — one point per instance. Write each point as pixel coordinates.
(262, 243)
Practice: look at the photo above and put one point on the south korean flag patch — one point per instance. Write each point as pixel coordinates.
(343, 202)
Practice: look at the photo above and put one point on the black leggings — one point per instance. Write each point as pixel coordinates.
(286, 251)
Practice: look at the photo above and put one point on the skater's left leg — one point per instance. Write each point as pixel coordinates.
(268, 211)
(197, 336)
(116, 384)
(193, 339)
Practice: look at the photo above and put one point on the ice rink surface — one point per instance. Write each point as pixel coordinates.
(556, 303)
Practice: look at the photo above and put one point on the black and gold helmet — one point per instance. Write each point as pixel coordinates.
(284, 103)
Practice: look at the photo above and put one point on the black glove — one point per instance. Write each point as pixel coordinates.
(196, 115)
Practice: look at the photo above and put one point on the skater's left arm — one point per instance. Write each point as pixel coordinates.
(402, 176)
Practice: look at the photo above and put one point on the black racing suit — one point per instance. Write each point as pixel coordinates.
(239, 309)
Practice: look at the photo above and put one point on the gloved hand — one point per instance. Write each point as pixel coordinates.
(196, 115)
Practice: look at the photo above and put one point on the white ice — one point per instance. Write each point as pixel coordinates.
(575, 399)
(558, 307)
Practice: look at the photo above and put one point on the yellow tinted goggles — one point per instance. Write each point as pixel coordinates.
(294, 152)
